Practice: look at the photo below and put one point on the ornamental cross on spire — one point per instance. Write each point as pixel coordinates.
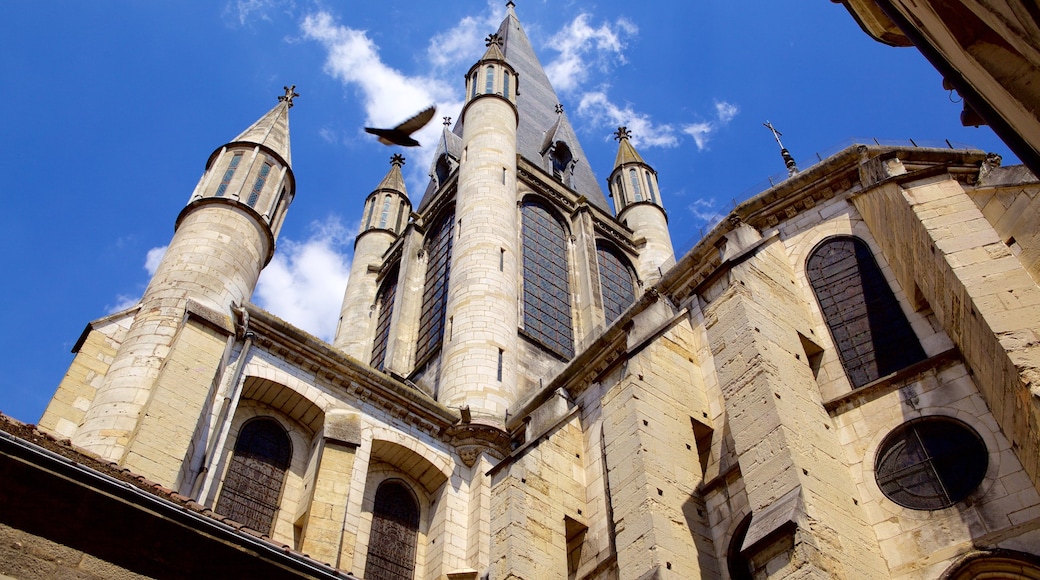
(290, 94)
(776, 134)
(622, 133)
(397, 160)
(493, 39)
(559, 108)
(447, 121)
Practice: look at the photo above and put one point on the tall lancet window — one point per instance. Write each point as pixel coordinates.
(649, 186)
(637, 193)
(253, 484)
(489, 83)
(232, 165)
(395, 529)
(870, 331)
(435, 293)
(547, 294)
(505, 85)
(615, 281)
(258, 185)
(385, 214)
(385, 304)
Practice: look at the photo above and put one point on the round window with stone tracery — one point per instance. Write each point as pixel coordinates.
(931, 463)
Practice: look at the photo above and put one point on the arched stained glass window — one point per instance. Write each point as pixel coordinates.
(385, 214)
(870, 331)
(637, 193)
(385, 303)
(258, 185)
(435, 292)
(489, 83)
(619, 191)
(232, 165)
(615, 281)
(473, 85)
(254, 479)
(547, 295)
(649, 186)
(395, 528)
(505, 85)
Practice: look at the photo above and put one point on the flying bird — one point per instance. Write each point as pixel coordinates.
(402, 134)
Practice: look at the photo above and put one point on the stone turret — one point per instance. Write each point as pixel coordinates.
(386, 214)
(633, 184)
(479, 354)
(222, 239)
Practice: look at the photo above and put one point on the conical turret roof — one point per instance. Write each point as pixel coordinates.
(272, 130)
(626, 153)
(394, 181)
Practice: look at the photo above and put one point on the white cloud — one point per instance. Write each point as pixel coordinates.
(702, 131)
(151, 263)
(389, 95)
(581, 46)
(464, 43)
(152, 259)
(725, 111)
(601, 111)
(706, 211)
(304, 282)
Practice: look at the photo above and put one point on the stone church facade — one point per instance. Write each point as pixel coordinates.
(837, 381)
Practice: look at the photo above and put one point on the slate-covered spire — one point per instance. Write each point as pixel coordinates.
(535, 101)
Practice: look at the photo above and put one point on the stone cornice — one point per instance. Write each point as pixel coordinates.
(350, 376)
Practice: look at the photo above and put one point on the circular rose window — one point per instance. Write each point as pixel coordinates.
(930, 463)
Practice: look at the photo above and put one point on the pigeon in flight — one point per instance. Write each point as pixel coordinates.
(402, 134)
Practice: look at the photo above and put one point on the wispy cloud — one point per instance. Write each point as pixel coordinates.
(248, 11)
(702, 131)
(706, 211)
(461, 44)
(389, 95)
(581, 46)
(305, 280)
(598, 108)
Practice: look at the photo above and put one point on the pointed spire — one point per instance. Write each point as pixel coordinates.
(394, 181)
(272, 130)
(792, 167)
(626, 152)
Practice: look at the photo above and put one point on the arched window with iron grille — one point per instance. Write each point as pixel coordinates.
(870, 331)
(395, 529)
(547, 294)
(253, 484)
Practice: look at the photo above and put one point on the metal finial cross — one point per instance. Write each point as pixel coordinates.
(510, 4)
(397, 160)
(290, 94)
(493, 39)
(776, 134)
(447, 121)
(559, 108)
(622, 133)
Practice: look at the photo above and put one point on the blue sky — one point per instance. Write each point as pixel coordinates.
(114, 106)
